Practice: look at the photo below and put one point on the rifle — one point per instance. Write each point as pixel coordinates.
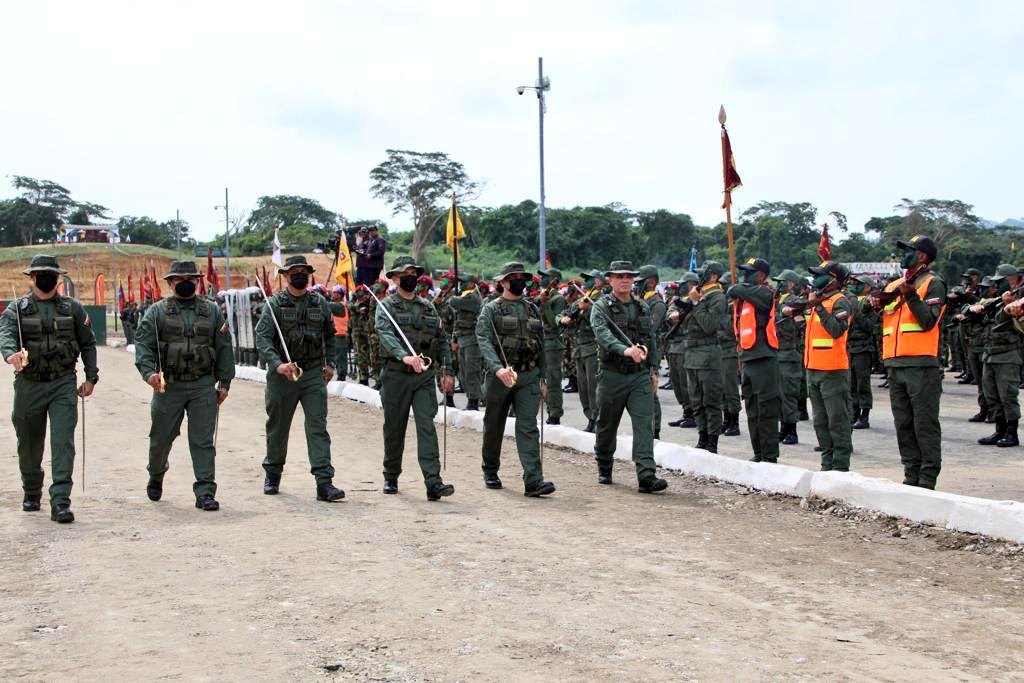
(885, 298)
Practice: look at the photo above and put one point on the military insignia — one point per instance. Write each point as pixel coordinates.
(933, 302)
(88, 320)
(24, 304)
(842, 315)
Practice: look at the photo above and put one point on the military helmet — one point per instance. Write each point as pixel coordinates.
(647, 271)
(712, 267)
(690, 276)
(788, 275)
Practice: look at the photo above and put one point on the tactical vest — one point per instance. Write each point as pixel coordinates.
(186, 351)
(744, 326)
(636, 328)
(422, 330)
(902, 335)
(303, 330)
(518, 326)
(822, 351)
(465, 318)
(52, 346)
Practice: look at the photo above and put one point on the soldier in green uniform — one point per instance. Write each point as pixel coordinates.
(628, 377)
(183, 350)
(647, 288)
(730, 369)
(1001, 374)
(359, 325)
(675, 350)
(828, 364)
(701, 327)
(379, 290)
(860, 345)
(41, 336)
(466, 309)
(577, 322)
(510, 334)
(444, 294)
(789, 327)
(974, 329)
(973, 290)
(406, 382)
(340, 313)
(758, 342)
(306, 327)
(552, 307)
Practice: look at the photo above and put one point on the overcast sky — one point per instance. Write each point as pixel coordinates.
(151, 107)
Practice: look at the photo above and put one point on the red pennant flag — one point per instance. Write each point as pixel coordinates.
(824, 248)
(157, 294)
(211, 272)
(267, 289)
(131, 293)
(730, 175)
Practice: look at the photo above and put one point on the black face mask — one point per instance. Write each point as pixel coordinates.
(186, 289)
(46, 282)
(407, 283)
(517, 287)
(298, 280)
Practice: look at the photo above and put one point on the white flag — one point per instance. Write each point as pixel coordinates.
(276, 258)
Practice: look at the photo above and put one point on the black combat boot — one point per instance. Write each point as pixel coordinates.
(1011, 435)
(31, 502)
(993, 439)
(862, 421)
(473, 404)
(542, 488)
(491, 481)
(440, 490)
(677, 423)
(712, 446)
(62, 514)
(591, 427)
(365, 382)
(688, 422)
(666, 386)
(390, 486)
(604, 475)
(155, 488)
(980, 416)
(207, 503)
(571, 387)
(702, 440)
(271, 484)
(329, 492)
(789, 438)
(554, 420)
(450, 400)
(653, 485)
(731, 426)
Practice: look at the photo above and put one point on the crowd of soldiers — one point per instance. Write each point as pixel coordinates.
(510, 344)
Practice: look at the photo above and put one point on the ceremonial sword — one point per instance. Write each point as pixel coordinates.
(625, 337)
(427, 362)
(284, 344)
(17, 311)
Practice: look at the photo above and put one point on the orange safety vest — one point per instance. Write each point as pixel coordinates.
(341, 324)
(744, 326)
(822, 351)
(901, 333)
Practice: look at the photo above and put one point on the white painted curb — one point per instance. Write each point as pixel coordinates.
(996, 518)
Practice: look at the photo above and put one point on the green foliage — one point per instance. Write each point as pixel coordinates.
(40, 209)
(145, 230)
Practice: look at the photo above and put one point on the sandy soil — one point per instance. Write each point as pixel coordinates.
(708, 582)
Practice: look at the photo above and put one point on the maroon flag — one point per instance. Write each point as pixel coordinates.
(267, 289)
(211, 273)
(824, 248)
(730, 175)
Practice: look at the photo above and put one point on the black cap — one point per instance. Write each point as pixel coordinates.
(833, 268)
(972, 272)
(922, 243)
(756, 264)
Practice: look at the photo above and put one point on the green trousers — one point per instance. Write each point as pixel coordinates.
(829, 391)
(586, 380)
(618, 392)
(167, 410)
(860, 380)
(1001, 383)
(34, 404)
(977, 368)
(399, 392)
(705, 386)
(553, 377)
(914, 394)
(282, 397)
(341, 357)
(361, 345)
(791, 373)
(470, 368)
(525, 398)
(680, 385)
(730, 384)
(761, 401)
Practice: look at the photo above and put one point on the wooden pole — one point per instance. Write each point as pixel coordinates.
(728, 229)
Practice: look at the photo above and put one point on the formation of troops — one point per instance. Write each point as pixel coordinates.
(771, 342)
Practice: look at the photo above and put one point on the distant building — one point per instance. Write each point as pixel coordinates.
(70, 233)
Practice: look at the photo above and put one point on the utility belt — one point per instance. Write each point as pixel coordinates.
(697, 343)
(996, 350)
(399, 366)
(48, 376)
(621, 364)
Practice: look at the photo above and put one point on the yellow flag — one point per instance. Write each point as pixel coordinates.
(343, 274)
(455, 229)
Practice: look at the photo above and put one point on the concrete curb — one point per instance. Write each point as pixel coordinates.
(1002, 519)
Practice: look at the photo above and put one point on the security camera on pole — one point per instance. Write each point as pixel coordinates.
(540, 87)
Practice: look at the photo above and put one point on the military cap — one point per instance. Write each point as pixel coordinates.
(756, 264)
(183, 269)
(713, 267)
(293, 261)
(648, 271)
(788, 275)
(468, 277)
(833, 268)
(866, 280)
(972, 272)
(401, 263)
(552, 272)
(44, 262)
(986, 281)
(921, 243)
(592, 273)
(1004, 270)
(621, 268)
(690, 276)
(513, 268)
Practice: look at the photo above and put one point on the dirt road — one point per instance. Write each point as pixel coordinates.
(707, 582)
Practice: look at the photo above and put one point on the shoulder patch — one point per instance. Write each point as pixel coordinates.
(933, 302)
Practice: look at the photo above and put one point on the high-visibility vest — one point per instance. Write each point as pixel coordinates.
(901, 333)
(822, 351)
(341, 324)
(744, 326)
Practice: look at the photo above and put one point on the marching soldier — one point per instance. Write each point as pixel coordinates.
(790, 322)
(675, 342)
(730, 368)
(129, 322)
(552, 306)
(380, 290)
(1001, 376)
(295, 338)
(647, 286)
(828, 364)
(910, 350)
(360, 327)
(861, 347)
(577, 319)
(407, 379)
(974, 329)
(340, 314)
(754, 325)
(703, 361)
(510, 334)
(628, 377)
(42, 335)
(466, 309)
(183, 350)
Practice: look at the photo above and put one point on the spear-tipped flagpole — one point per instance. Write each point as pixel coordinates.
(731, 181)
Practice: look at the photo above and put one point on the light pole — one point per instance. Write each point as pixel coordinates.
(540, 87)
(177, 230)
(227, 239)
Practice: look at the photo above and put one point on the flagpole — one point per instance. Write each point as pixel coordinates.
(731, 179)
(728, 231)
(453, 217)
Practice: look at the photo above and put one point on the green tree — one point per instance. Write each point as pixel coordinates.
(419, 182)
(145, 230)
(40, 209)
